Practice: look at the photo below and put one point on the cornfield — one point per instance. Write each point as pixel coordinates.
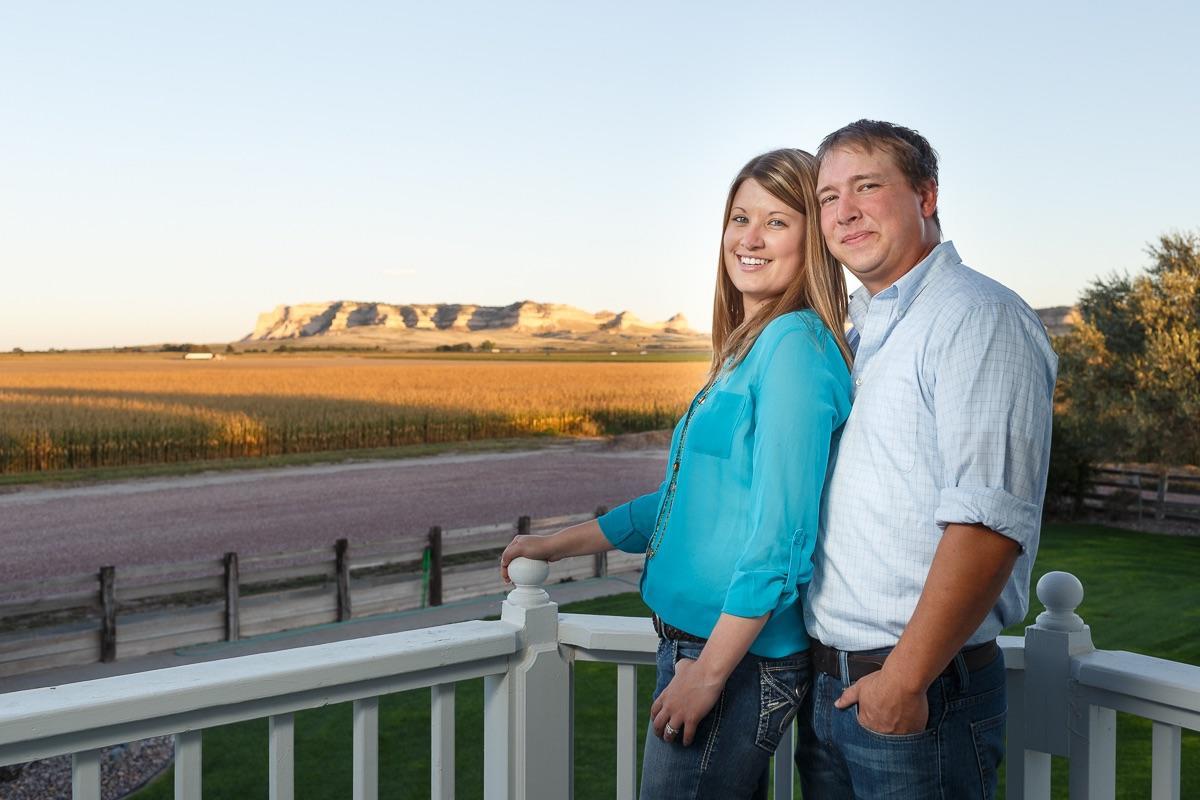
(61, 412)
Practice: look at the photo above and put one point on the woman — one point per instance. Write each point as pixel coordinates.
(729, 534)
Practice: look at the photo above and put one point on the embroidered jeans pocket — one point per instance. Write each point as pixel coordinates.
(781, 689)
(713, 424)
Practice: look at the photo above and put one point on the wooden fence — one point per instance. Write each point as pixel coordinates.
(1144, 493)
(133, 611)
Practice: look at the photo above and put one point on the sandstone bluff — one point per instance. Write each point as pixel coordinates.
(521, 324)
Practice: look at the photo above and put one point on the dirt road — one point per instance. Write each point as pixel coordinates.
(46, 532)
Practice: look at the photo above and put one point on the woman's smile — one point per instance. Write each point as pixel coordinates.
(763, 244)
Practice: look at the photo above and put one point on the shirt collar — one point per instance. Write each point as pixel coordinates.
(911, 284)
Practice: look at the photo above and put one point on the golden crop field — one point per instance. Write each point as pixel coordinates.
(77, 411)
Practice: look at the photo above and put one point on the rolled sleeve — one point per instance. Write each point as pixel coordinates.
(993, 508)
(802, 398)
(628, 526)
(994, 400)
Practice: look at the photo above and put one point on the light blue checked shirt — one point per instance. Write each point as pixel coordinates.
(953, 386)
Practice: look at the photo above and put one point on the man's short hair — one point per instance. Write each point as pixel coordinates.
(911, 151)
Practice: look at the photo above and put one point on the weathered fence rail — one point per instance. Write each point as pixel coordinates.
(137, 610)
(1144, 493)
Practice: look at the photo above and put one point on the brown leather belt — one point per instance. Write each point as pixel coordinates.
(671, 632)
(864, 662)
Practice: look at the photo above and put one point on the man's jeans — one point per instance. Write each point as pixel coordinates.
(954, 758)
(730, 755)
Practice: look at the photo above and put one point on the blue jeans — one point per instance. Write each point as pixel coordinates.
(955, 757)
(731, 753)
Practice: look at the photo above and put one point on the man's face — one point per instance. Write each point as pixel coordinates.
(874, 221)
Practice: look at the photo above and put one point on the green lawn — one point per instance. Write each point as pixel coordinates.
(1140, 595)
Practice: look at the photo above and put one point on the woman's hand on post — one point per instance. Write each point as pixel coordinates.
(539, 548)
(577, 540)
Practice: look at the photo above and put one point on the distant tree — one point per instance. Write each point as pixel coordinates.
(1129, 373)
(462, 347)
(229, 349)
(18, 351)
(487, 346)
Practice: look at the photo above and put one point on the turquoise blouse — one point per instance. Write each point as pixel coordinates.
(742, 525)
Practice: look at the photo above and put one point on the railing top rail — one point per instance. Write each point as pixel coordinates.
(600, 632)
(622, 640)
(107, 703)
(1014, 651)
(1166, 683)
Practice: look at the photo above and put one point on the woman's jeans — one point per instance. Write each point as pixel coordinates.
(956, 756)
(731, 753)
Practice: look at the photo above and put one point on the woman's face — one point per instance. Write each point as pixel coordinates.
(763, 245)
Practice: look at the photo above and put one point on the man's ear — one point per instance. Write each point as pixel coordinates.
(929, 198)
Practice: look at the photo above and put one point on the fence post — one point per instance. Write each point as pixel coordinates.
(1160, 509)
(1137, 482)
(435, 565)
(523, 525)
(342, 551)
(601, 563)
(108, 608)
(232, 618)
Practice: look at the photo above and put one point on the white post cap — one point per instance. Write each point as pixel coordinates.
(529, 575)
(1061, 593)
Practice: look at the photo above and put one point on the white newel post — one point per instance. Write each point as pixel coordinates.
(1054, 723)
(539, 695)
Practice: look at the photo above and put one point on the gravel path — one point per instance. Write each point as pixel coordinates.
(46, 532)
(122, 769)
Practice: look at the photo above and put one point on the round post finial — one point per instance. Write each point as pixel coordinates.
(529, 575)
(1061, 593)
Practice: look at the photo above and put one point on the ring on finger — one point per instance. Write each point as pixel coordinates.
(669, 732)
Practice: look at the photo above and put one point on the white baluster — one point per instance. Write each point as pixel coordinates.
(539, 690)
(188, 765)
(441, 778)
(1093, 768)
(1166, 762)
(366, 749)
(497, 738)
(628, 732)
(1027, 771)
(784, 773)
(1036, 785)
(281, 782)
(85, 775)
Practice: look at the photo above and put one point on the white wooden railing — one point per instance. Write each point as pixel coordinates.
(1063, 698)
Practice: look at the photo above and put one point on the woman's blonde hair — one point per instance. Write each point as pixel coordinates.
(790, 176)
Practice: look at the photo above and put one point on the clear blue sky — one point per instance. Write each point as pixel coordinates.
(168, 170)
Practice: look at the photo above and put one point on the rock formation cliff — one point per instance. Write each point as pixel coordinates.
(549, 320)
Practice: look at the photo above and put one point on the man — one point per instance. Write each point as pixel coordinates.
(933, 504)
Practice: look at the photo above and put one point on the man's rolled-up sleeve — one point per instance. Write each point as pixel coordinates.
(993, 401)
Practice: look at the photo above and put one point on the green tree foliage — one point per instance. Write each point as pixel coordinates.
(1129, 373)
